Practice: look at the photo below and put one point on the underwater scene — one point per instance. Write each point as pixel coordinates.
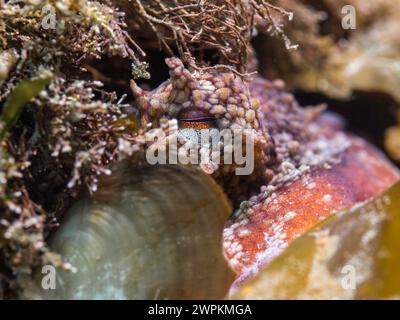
(199, 150)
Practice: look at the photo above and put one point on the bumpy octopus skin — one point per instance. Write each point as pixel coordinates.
(229, 99)
(226, 98)
(306, 167)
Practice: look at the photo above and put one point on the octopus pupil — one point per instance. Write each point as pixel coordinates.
(198, 120)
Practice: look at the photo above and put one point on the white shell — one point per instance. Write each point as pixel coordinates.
(154, 233)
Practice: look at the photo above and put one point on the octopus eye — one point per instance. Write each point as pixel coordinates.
(194, 118)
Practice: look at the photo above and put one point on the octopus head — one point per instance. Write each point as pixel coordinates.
(217, 102)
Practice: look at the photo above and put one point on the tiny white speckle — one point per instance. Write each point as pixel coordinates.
(283, 236)
(327, 198)
(226, 244)
(290, 215)
(227, 232)
(243, 232)
(233, 262)
(238, 255)
(276, 228)
(234, 226)
(235, 247)
(312, 185)
(283, 245)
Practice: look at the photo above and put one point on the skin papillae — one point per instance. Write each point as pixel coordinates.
(70, 135)
(340, 62)
(314, 168)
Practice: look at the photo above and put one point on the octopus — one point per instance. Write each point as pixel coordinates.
(202, 231)
(306, 166)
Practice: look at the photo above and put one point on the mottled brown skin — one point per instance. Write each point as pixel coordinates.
(221, 95)
(262, 108)
(306, 168)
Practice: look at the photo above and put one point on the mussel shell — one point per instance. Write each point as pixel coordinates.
(154, 233)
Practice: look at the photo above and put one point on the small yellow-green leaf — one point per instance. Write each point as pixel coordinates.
(22, 94)
(354, 254)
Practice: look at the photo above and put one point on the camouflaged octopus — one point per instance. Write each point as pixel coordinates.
(306, 166)
(156, 232)
(223, 100)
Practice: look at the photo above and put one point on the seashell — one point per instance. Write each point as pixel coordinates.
(154, 233)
